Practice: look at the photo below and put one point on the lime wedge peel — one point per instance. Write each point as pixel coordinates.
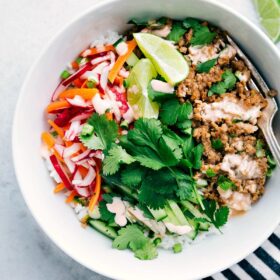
(169, 63)
(269, 12)
(137, 94)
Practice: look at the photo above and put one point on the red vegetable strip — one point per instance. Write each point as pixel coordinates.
(121, 60)
(97, 190)
(64, 178)
(59, 130)
(94, 51)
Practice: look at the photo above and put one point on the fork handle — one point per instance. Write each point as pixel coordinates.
(272, 143)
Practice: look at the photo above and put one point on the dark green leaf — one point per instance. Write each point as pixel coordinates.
(206, 66)
(138, 22)
(221, 216)
(191, 23)
(210, 173)
(177, 31)
(202, 36)
(217, 144)
(225, 183)
(197, 154)
(132, 175)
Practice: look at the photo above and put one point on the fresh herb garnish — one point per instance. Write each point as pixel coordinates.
(202, 36)
(217, 216)
(99, 133)
(225, 183)
(206, 66)
(177, 31)
(210, 173)
(132, 237)
(228, 83)
(138, 22)
(260, 152)
(217, 144)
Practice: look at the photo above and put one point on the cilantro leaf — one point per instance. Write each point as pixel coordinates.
(185, 188)
(191, 23)
(177, 31)
(132, 175)
(202, 36)
(210, 173)
(225, 183)
(105, 214)
(103, 135)
(115, 157)
(218, 216)
(133, 238)
(228, 83)
(197, 154)
(172, 111)
(188, 146)
(138, 22)
(206, 66)
(217, 144)
(221, 216)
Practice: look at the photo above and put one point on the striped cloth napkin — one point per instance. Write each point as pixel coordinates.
(264, 263)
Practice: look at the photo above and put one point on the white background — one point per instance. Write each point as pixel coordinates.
(25, 28)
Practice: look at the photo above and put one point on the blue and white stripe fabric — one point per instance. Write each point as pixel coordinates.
(263, 264)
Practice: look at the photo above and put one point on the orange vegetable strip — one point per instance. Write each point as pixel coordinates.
(48, 139)
(75, 65)
(109, 116)
(93, 51)
(59, 130)
(83, 171)
(78, 83)
(57, 105)
(121, 60)
(59, 187)
(71, 197)
(58, 155)
(97, 190)
(86, 93)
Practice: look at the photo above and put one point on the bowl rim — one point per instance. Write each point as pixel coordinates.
(18, 173)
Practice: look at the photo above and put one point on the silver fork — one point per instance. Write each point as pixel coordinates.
(265, 121)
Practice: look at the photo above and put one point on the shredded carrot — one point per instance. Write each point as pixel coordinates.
(59, 187)
(71, 197)
(121, 60)
(93, 51)
(59, 130)
(78, 83)
(83, 170)
(109, 116)
(119, 80)
(75, 65)
(97, 190)
(58, 155)
(84, 85)
(48, 139)
(86, 93)
(68, 143)
(57, 105)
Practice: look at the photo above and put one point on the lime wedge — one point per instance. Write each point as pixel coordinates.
(137, 94)
(269, 11)
(169, 63)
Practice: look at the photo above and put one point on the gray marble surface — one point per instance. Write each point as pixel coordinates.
(25, 27)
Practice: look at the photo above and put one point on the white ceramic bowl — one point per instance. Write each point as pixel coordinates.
(243, 234)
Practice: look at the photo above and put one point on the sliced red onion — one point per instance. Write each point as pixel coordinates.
(59, 149)
(124, 73)
(104, 77)
(82, 191)
(100, 59)
(70, 164)
(89, 178)
(97, 154)
(65, 83)
(73, 131)
(69, 151)
(95, 70)
(78, 101)
(161, 86)
(81, 156)
(83, 116)
(58, 168)
(113, 60)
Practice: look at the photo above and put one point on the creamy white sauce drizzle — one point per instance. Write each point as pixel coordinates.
(229, 108)
(241, 167)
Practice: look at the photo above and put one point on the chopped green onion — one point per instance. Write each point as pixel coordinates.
(87, 129)
(124, 124)
(177, 248)
(90, 84)
(210, 173)
(54, 133)
(79, 59)
(217, 144)
(65, 74)
(125, 83)
(271, 161)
